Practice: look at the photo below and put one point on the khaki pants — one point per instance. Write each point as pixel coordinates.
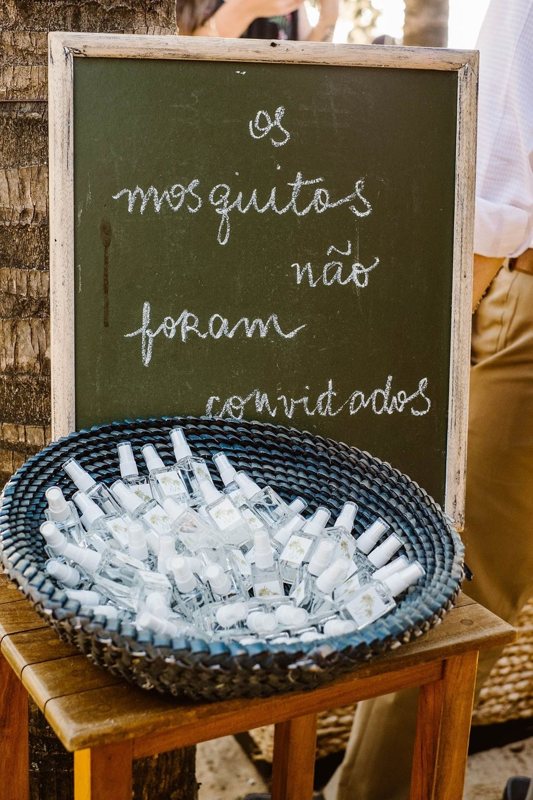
(498, 532)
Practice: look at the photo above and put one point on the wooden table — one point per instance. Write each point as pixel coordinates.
(107, 723)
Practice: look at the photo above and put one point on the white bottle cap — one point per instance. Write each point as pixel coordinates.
(389, 569)
(126, 460)
(291, 616)
(81, 478)
(84, 596)
(228, 615)
(379, 556)
(86, 558)
(247, 486)
(298, 505)
(152, 458)
(156, 603)
(321, 557)
(333, 576)
(347, 516)
(127, 499)
(369, 538)
(137, 547)
(57, 505)
(91, 512)
(400, 581)
(53, 536)
(226, 470)
(317, 522)
(183, 574)
(179, 442)
(174, 508)
(106, 611)
(219, 581)
(149, 621)
(166, 551)
(336, 627)
(310, 636)
(261, 622)
(63, 572)
(282, 535)
(209, 491)
(264, 554)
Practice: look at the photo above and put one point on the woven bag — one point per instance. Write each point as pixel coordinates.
(294, 463)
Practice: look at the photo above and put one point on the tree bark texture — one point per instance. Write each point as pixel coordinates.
(426, 23)
(24, 301)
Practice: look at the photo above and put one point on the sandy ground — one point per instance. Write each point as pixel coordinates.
(226, 773)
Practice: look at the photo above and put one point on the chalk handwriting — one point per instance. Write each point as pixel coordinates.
(263, 124)
(327, 404)
(306, 195)
(335, 271)
(187, 325)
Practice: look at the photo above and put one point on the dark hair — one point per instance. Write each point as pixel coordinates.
(190, 14)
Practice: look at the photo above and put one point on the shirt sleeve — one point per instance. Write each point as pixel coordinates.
(504, 188)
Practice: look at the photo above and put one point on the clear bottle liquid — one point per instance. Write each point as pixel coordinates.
(191, 468)
(266, 578)
(164, 481)
(377, 598)
(103, 530)
(150, 513)
(97, 492)
(265, 503)
(64, 514)
(298, 547)
(129, 472)
(225, 517)
(194, 533)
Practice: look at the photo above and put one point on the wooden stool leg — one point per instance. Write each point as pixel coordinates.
(104, 773)
(293, 767)
(443, 730)
(14, 758)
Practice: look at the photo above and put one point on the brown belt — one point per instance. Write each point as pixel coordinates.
(524, 262)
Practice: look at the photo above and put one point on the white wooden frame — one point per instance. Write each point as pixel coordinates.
(65, 47)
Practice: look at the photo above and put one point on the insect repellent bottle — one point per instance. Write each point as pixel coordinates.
(321, 556)
(221, 513)
(371, 536)
(189, 592)
(231, 488)
(56, 541)
(191, 468)
(281, 535)
(266, 580)
(223, 585)
(129, 472)
(164, 481)
(193, 532)
(64, 573)
(320, 602)
(298, 547)
(150, 513)
(64, 514)
(265, 503)
(341, 531)
(137, 543)
(347, 590)
(103, 530)
(377, 598)
(97, 492)
(224, 620)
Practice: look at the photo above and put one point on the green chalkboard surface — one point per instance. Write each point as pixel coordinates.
(268, 241)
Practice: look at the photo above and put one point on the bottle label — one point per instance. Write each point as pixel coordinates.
(253, 522)
(268, 588)
(296, 550)
(242, 564)
(170, 483)
(201, 470)
(346, 545)
(224, 514)
(118, 529)
(368, 606)
(299, 593)
(142, 491)
(158, 520)
(347, 590)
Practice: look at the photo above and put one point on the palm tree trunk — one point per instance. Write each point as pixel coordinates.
(24, 300)
(426, 23)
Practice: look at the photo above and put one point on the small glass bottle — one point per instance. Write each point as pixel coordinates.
(231, 488)
(189, 593)
(113, 573)
(64, 573)
(138, 545)
(341, 530)
(223, 585)
(64, 514)
(97, 492)
(265, 503)
(266, 580)
(103, 530)
(221, 512)
(298, 547)
(224, 620)
(281, 535)
(189, 526)
(191, 468)
(322, 555)
(371, 536)
(320, 601)
(377, 598)
(129, 472)
(164, 481)
(151, 513)
(347, 590)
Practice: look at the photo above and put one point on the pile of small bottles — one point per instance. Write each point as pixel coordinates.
(172, 554)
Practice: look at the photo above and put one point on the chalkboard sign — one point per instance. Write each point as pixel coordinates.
(265, 230)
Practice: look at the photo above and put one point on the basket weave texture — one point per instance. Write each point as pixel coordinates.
(294, 463)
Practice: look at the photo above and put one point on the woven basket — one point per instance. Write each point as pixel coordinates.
(295, 463)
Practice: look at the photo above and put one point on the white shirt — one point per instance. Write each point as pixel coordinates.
(504, 189)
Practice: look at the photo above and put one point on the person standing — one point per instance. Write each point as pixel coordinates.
(499, 486)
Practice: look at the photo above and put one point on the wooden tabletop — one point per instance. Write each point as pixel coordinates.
(88, 706)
